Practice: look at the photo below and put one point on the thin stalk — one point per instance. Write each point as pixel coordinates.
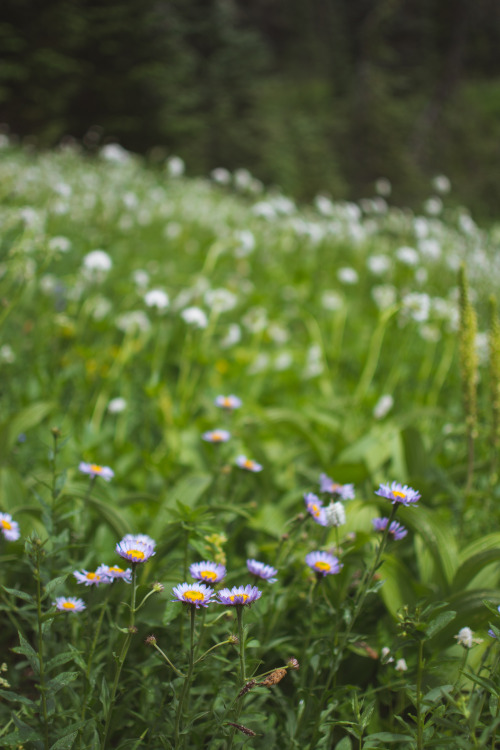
(185, 686)
(420, 713)
(374, 353)
(165, 657)
(43, 686)
(89, 663)
(358, 605)
(243, 677)
(121, 658)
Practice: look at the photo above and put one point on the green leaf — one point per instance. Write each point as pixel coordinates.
(344, 744)
(61, 680)
(475, 557)
(19, 594)
(54, 584)
(27, 650)
(440, 622)
(26, 419)
(65, 743)
(10, 696)
(56, 661)
(387, 737)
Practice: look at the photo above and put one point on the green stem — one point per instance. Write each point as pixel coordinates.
(164, 656)
(185, 687)
(121, 658)
(90, 660)
(358, 605)
(43, 687)
(420, 713)
(241, 638)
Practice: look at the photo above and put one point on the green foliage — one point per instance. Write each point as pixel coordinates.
(335, 378)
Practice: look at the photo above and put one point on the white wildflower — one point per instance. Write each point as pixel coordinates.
(383, 187)
(221, 176)
(232, 337)
(347, 275)
(331, 300)
(407, 255)
(384, 295)
(117, 405)
(335, 514)
(465, 638)
(175, 166)
(59, 244)
(433, 206)
(378, 264)
(220, 300)
(401, 666)
(383, 406)
(195, 317)
(441, 184)
(133, 321)
(157, 298)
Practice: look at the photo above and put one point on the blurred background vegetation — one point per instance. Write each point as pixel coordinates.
(312, 95)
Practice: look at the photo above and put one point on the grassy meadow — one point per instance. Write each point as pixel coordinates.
(363, 344)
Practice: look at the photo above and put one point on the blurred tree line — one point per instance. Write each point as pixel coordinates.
(314, 95)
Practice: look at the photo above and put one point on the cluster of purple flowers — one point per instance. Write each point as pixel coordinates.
(200, 595)
(136, 548)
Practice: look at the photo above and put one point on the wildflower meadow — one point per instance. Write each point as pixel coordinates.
(249, 489)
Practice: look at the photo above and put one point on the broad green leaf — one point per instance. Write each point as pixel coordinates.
(26, 419)
(27, 650)
(440, 622)
(19, 594)
(397, 589)
(438, 538)
(51, 586)
(344, 744)
(10, 696)
(65, 743)
(61, 680)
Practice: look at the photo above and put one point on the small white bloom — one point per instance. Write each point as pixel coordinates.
(324, 205)
(467, 224)
(421, 275)
(347, 275)
(335, 514)
(140, 278)
(383, 406)
(401, 666)
(433, 206)
(115, 153)
(429, 333)
(385, 655)
(264, 209)
(97, 261)
(135, 320)
(195, 316)
(465, 638)
(246, 243)
(157, 298)
(430, 248)
(407, 255)
(221, 176)
(175, 166)
(220, 300)
(242, 179)
(255, 319)
(441, 184)
(378, 264)
(7, 354)
(259, 364)
(384, 295)
(331, 300)
(59, 244)
(232, 337)
(283, 361)
(117, 405)
(417, 305)
(383, 186)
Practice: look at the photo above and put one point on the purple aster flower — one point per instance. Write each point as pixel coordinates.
(262, 571)
(144, 538)
(69, 604)
(399, 493)
(396, 530)
(111, 573)
(315, 508)
(239, 596)
(247, 463)
(323, 563)
(9, 528)
(216, 436)
(344, 491)
(207, 571)
(134, 549)
(195, 594)
(91, 579)
(228, 402)
(94, 470)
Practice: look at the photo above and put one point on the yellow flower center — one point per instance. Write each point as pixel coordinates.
(227, 402)
(68, 605)
(239, 598)
(6, 525)
(248, 464)
(208, 575)
(95, 468)
(320, 565)
(398, 494)
(92, 576)
(193, 596)
(115, 569)
(315, 511)
(216, 437)
(135, 553)
(335, 486)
